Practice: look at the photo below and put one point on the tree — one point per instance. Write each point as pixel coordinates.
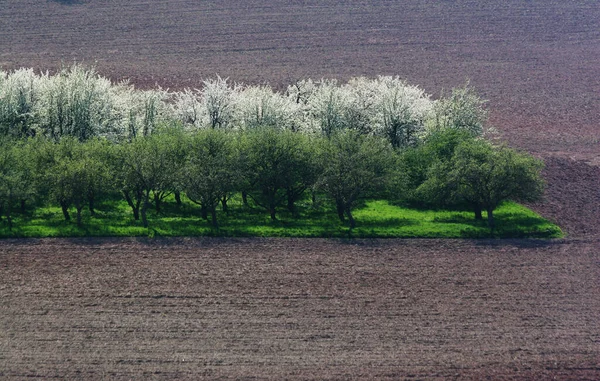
(147, 164)
(153, 110)
(100, 181)
(77, 102)
(304, 169)
(328, 103)
(262, 107)
(15, 182)
(275, 164)
(218, 102)
(70, 173)
(188, 107)
(210, 170)
(402, 111)
(485, 175)
(361, 105)
(19, 96)
(173, 139)
(462, 110)
(433, 154)
(354, 166)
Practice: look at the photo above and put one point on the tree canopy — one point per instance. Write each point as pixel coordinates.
(75, 137)
(483, 176)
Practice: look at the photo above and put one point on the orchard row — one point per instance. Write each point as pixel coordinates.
(273, 168)
(80, 103)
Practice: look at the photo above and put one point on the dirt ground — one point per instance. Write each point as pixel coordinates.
(324, 309)
(572, 196)
(299, 309)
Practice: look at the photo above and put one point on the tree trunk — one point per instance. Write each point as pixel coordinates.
(291, 206)
(313, 196)
(178, 198)
(478, 211)
(9, 216)
(245, 198)
(1, 210)
(65, 210)
(340, 210)
(224, 204)
(213, 215)
(79, 208)
(491, 222)
(145, 205)
(204, 211)
(135, 207)
(350, 217)
(157, 202)
(272, 211)
(91, 205)
(23, 206)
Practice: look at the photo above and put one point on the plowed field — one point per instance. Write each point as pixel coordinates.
(300, 309)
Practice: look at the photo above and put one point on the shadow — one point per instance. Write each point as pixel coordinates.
(460, 218)
(508, 234)
(388, 222)
(521, 243)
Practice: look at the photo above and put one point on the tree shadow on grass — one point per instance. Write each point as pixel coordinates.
(509, 225)
(386, 222)
(459, 218)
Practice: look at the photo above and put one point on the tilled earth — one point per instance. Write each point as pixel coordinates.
(298, 309)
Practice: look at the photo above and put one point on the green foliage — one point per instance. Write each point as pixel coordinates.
(13, 184)
(354, 166)
(148, 164)
(278, 166)
(72, 173)
(488, 175)
(435, 152)
(369, 138)
(211, 169)
(484, 176)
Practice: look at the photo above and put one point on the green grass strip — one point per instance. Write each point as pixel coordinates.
(375, 219)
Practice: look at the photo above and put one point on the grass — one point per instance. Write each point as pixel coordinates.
(375, 219)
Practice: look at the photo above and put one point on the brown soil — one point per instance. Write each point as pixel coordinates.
(299, 309)
(572, 197)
